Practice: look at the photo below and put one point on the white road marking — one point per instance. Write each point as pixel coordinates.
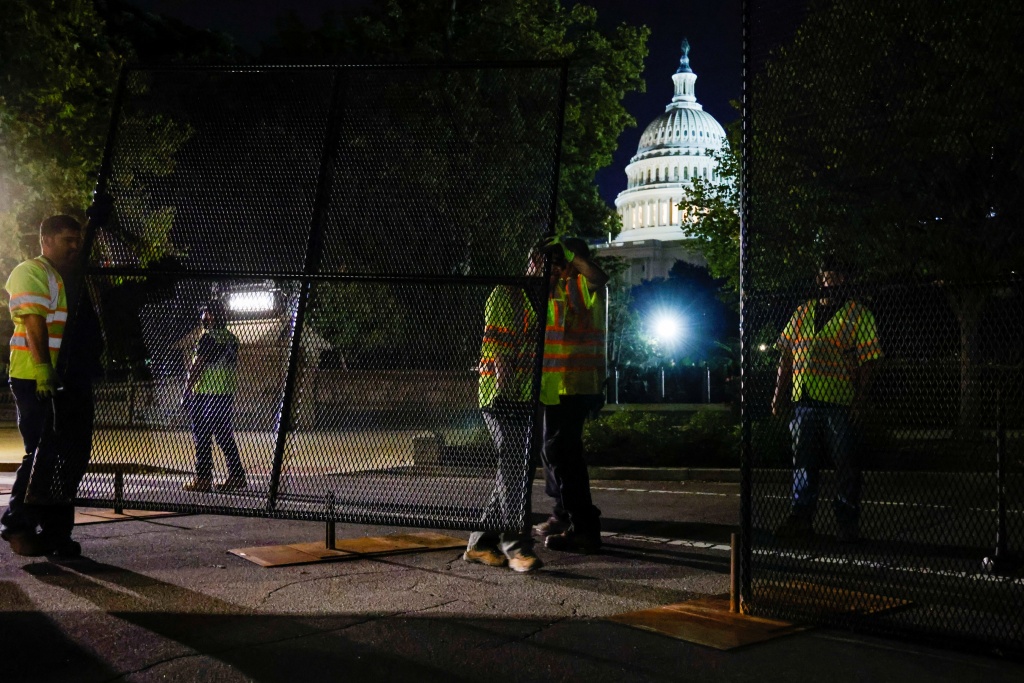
(890, 566)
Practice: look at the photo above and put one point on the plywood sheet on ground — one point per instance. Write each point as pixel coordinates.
(100, 516)
(346, 549)
(707, 621)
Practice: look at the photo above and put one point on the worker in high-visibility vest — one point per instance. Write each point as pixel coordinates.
(572, 383)
(829, 349)
(38, 306)
(210, 385)
(507, 360)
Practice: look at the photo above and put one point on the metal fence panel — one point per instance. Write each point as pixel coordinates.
(352, 223)
(882, 195)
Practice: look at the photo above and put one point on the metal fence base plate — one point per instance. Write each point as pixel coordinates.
(707, 621)
(346, 549)
(100, 516)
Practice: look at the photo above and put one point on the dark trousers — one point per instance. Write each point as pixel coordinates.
(211, 416)
(510, 428)
(59, 458)
(566, 479)
(819, 429)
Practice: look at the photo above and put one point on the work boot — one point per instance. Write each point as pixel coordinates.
(198, 485)
(551, 526)
(572, 541)
(65, 549)
(232, 484)
(795, 526)
(488, 556)
(523, 561)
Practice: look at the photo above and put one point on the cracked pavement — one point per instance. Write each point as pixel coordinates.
(162, 600)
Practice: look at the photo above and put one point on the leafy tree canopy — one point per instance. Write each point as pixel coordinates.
(59, 62)
(885, 131)
(604, 67)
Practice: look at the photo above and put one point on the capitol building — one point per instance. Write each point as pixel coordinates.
(674, 149)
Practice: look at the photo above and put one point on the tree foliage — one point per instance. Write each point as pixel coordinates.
(604, 68)
(713, 208)
(58, 69)
(899, 147)
(885, 132)
(59, 63)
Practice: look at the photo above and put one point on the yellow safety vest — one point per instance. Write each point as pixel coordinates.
(824, 361)
(574, 342)
(219, 349)
(509, 327)
(35, 288)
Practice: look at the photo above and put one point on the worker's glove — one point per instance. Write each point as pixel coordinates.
(46, 381)
(99, 212)
(556, 243)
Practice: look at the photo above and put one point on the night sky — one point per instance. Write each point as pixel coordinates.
(712, 27)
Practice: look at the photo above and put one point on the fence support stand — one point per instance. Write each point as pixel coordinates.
(330, 537)
(734, 574)
(1001, 562)
(119, 492)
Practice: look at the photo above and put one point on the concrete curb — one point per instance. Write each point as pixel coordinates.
(722, 474)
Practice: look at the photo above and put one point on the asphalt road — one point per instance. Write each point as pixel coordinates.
(162, 600)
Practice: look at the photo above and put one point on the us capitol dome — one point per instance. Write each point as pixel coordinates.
(674, 149)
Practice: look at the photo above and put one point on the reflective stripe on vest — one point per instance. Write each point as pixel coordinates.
(509, 325)
(574, 342)
(53, 302)
(824, 362)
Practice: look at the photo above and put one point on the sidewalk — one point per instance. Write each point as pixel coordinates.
(162, 600)
(12, 450)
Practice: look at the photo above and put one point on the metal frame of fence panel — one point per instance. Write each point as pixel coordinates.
(293, 291)
(882, 308)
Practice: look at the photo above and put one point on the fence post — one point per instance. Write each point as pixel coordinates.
(1001, 562)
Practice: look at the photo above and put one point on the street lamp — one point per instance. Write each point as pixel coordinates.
(667, 329)
(251, 302)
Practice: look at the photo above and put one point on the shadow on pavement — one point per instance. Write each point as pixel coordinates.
(31, 641)
(262, 647)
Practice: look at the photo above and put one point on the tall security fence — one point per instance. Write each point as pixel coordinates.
(292, 291)
(882, 317)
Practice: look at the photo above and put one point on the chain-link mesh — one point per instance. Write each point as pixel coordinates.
(883, 312)
(294, 290)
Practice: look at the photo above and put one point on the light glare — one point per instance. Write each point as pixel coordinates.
(667, 328)
(251, 302)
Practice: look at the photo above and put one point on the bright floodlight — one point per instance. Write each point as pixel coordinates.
(251, 302)
(667, 328)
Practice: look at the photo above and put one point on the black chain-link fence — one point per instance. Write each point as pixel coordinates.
(883, 313)
(292, 292)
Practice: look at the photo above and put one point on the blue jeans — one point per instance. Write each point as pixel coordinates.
(211, 416)
(510, 429)
(819, 428)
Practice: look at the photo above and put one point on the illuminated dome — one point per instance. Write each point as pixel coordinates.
(679, 131)
(675, 148)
